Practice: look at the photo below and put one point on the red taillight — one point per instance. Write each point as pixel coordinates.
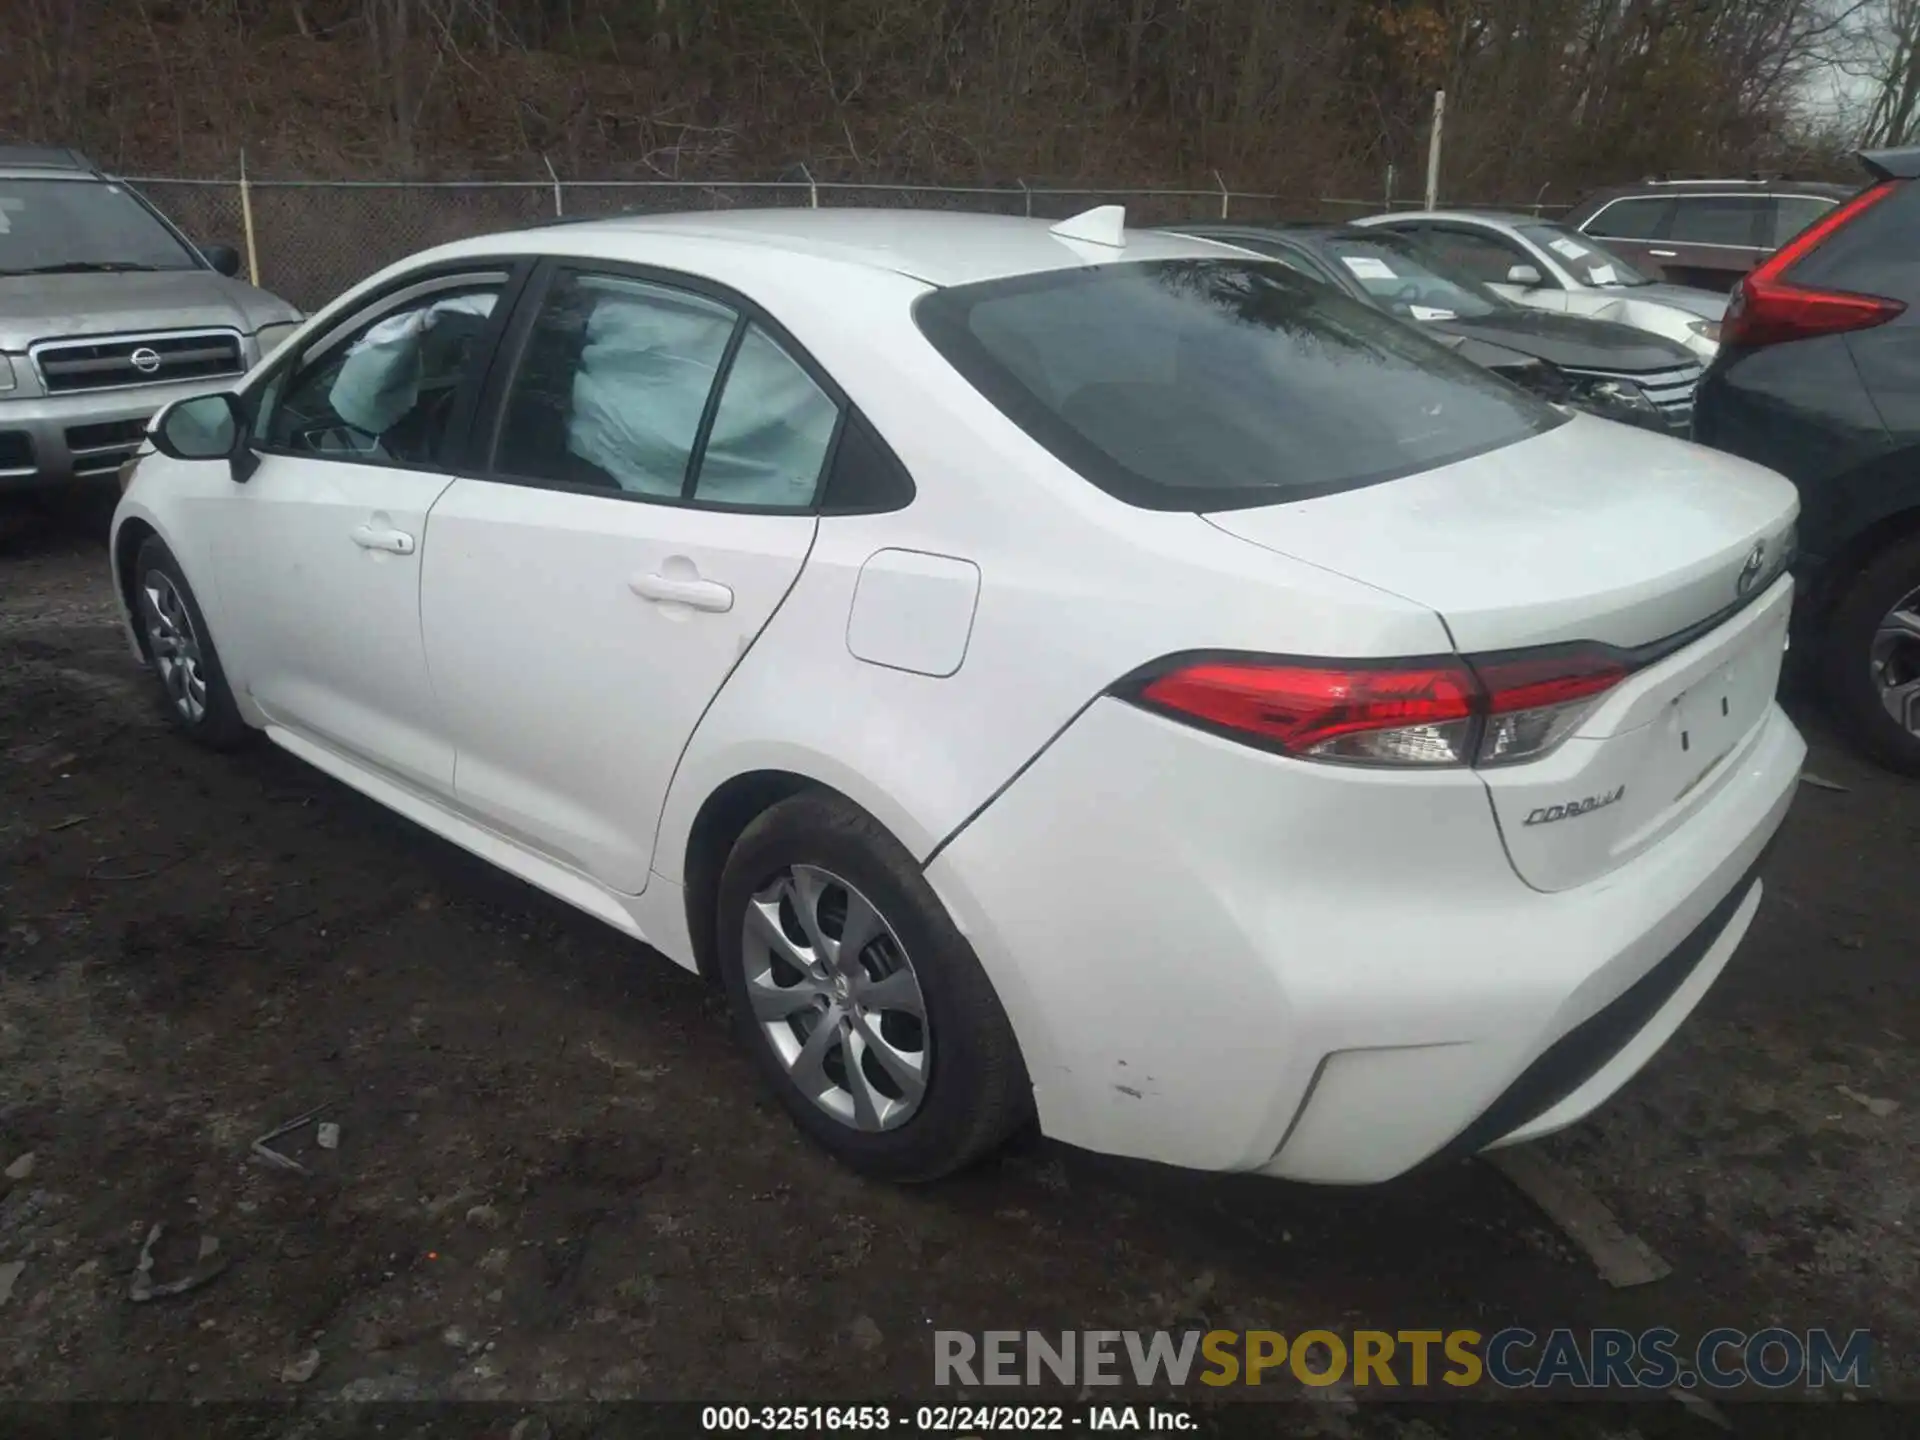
(1428, 712)
(1535, 701)
(1309, 709)
(1766, 310)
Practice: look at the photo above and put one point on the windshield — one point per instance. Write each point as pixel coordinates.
(80, 225)
(1218, 384)
(1411, 282)
(1587, 260)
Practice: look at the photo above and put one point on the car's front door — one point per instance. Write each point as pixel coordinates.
(320, 549)
(650, 499)
(1634, 226)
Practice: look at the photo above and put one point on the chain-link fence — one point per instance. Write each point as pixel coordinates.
(309, 240)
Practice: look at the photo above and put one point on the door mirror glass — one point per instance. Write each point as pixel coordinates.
(223, 258)
(207, 427)
(1527, 275)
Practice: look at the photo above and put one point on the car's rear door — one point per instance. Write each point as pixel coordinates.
(648, 454)
(1712, 240)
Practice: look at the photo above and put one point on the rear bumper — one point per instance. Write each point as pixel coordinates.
(54, 440)
(1217, 958)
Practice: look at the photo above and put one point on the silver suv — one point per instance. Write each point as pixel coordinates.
(107, 312)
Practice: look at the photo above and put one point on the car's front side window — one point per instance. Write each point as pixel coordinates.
(646, 389)
(382, 390)
(1484, 256)
(1640, 217)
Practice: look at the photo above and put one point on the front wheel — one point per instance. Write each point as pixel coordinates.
(864, 1008)
(1872, 657)
(192, 684)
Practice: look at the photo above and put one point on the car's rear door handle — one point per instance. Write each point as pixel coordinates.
(372, 537)
(700, 594)
(1665, 254)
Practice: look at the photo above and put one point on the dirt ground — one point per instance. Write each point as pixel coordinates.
(557, 1178)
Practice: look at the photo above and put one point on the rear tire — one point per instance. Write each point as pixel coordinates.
(1871, 656)
(897, 1059)
(193, 687)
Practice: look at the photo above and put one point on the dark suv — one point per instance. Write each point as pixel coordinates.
(1703, 232)
(1818, 377)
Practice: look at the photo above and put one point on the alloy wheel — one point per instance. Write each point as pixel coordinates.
(836, 996)
(1895, 661)
(174, 644)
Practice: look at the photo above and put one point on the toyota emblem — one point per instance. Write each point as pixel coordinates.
(146, 359)
(1751, 571)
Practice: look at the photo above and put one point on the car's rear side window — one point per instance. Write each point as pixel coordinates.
(1873, 253)
(1219, 384)
(1719, 220)
(1793, 213)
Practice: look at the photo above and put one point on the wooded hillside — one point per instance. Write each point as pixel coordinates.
(1310, 97)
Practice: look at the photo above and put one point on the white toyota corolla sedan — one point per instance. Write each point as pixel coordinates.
(1064, 672)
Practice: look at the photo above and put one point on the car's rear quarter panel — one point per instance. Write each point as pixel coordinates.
(1076, 590)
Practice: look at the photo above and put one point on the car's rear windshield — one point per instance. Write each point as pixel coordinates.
(1219, 384)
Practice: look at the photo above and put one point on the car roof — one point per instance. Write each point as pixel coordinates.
(938, 247)
(1497, 217)
(1749, 185)
(1286, 229)
(24, 161)
(1221, 229)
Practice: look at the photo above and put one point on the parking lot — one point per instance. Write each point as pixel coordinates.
(557, 1177)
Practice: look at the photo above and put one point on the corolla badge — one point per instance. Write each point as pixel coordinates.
(1755, 567)
(1547, 814)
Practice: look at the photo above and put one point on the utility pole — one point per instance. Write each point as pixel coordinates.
(1433, 149)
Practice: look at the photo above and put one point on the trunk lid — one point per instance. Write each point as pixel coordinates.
(1592, 532)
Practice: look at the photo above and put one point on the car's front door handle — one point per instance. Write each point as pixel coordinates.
(700, 594)
(373, 537)
(1664, 254)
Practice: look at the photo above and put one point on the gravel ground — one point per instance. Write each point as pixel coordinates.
(556, 1178)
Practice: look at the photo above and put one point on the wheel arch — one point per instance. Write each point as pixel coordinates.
(1857, 551)
(717, 827)
(132, 532)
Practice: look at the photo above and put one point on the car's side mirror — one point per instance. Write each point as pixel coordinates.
(223, 258)
(205, 427)
(1526, 275)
